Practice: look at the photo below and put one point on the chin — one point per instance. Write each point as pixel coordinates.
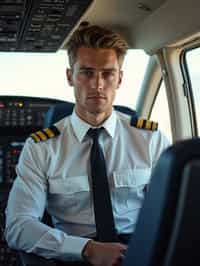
(99, 110)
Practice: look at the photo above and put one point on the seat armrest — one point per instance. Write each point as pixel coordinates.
(27, 259)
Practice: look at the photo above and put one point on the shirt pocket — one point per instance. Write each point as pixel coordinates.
(129, 189)
(70, 194)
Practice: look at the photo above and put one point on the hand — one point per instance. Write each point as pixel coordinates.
(104, 254)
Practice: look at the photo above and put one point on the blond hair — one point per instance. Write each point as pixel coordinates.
(96, 37)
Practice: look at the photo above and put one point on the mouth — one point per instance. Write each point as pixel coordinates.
(96, 97)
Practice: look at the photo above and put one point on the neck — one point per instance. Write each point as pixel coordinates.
(94, 119)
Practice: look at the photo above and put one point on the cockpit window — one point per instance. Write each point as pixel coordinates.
(43, 75)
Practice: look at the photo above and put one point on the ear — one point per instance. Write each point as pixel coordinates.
(120, 78)
(69, 74)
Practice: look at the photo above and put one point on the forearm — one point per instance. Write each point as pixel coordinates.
(30, 235)
(24, 231)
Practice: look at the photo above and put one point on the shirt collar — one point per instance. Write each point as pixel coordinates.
(81, 127)
(110, 124)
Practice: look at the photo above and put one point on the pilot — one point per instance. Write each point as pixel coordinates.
(56, 169)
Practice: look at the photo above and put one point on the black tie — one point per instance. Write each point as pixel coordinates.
(101, 194)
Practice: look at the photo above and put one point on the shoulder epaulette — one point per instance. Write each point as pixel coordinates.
(144, 124)
(46, 133)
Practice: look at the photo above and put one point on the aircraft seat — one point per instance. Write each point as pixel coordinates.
(168, 232)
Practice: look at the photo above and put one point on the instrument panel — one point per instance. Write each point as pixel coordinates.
(19, 117)
(23, 112)
(38, 26)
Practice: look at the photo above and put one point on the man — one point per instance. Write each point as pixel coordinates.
(56, 173)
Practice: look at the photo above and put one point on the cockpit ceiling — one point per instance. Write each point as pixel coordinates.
(38, 26)
(122, 12)
(123, 16)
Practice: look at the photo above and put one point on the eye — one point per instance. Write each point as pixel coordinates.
(108, 75)
(86, 73)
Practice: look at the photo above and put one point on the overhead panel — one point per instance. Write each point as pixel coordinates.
(38, 26)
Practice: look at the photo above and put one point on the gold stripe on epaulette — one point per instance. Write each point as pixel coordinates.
(41, 135)
(140, 123)
(35, 137)
(148, 124)
(154, 126)
(45, 134)
(49, 132)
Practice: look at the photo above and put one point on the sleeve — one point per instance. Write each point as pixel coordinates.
(159, 143)
(26, 204)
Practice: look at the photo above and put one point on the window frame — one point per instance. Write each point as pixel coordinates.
(188, 90)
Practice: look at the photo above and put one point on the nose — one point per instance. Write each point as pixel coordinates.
(98, 81)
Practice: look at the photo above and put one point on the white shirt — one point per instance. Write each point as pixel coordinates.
(56, 174)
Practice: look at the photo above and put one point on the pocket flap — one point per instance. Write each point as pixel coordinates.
(69, 185)
(132, 177)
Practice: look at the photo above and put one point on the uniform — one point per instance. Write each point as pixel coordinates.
(55, 174)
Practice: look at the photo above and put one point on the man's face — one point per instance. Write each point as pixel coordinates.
(95, 77)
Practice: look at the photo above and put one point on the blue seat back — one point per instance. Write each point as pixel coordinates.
(167, 232)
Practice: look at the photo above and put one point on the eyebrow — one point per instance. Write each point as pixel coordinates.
(93, 69)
